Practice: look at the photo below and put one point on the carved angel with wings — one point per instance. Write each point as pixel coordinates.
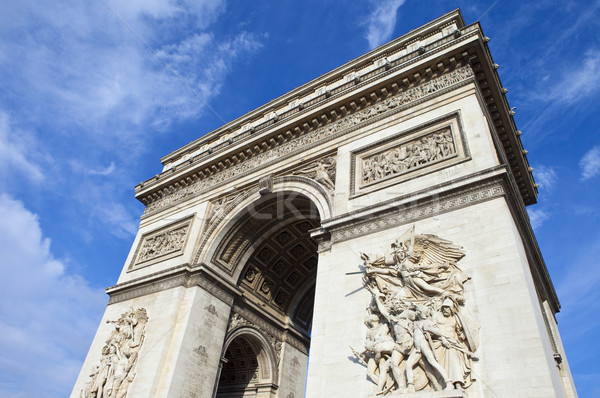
(419, 267)
(418, 295)
(322, 171)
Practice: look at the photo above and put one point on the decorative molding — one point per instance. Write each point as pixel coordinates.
(144, 288)
(275, 151)
(161, 244)
(421, 150)
(182, 276)
(415, 211)
(240, 197)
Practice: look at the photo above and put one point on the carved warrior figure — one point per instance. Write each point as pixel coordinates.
(418, 336)
(164, 243)
(322, 171)
(429, 149)
(112, 377)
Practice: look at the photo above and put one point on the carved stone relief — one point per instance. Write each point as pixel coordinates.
(321, 171)
(423, 149)
(112, 377)
(421, 152)
(162, 244)
(419, 336)
(305, 140)
(219, 207)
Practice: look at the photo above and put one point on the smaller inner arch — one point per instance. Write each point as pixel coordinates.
(241, 369)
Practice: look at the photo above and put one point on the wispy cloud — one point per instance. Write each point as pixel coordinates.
(590, 164)
(382, 21)
(96, 77)
(537, 217)
(546, 177)
(103, 171)
(48, 315)
(579, 81)
(16, 148)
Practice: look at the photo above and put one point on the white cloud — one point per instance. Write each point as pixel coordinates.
(578, 82)
(104, 171)
(83, 71)
(381, 21)
(16, 148)
(546, 176)
(47, 315)
(590, 164)
(537, 217)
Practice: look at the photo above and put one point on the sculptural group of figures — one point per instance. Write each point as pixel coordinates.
(418, 336)
(431, 148)
(162, 244)
(112, 377)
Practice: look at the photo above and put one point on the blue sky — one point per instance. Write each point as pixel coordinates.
(93, 93)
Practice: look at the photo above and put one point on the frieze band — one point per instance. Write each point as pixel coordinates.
(381, 109)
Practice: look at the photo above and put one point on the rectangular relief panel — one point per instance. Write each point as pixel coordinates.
(162, 244)
(409, 154)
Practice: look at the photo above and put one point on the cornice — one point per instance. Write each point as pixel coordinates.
(183, 276)
(389, 98)
(381, 65)
(500, 116)
(387, 50)
(207, 168)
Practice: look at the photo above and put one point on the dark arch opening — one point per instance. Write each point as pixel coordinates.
(275, 258)
(241, 370)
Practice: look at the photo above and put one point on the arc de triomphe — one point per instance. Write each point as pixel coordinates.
(375, 215)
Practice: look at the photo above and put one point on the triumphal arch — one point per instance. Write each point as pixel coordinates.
(373, 218)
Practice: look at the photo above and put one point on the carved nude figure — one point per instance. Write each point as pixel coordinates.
(424, 327)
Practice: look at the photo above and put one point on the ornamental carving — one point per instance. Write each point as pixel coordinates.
(419, 336)
(165, 243)
(219, 207)
(112, 377)
(321, 171)
(275, 151)
(423, 151)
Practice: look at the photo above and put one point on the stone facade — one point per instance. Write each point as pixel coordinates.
(375, 215)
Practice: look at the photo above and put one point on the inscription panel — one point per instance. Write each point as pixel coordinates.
(408, 154)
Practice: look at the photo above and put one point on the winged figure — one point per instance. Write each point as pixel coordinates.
(322, 171)
(417, 300)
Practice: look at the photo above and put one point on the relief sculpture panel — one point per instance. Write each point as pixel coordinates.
(409, 154)
(419, 334)
(160, 245)
(421, 152)
(112, 377)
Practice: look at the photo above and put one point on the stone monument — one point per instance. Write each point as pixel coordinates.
(375, 215)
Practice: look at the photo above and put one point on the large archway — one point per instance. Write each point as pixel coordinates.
(271, 253)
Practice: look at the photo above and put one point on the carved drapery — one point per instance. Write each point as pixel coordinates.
(381, 109)
(112, 377)
(419, 336)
